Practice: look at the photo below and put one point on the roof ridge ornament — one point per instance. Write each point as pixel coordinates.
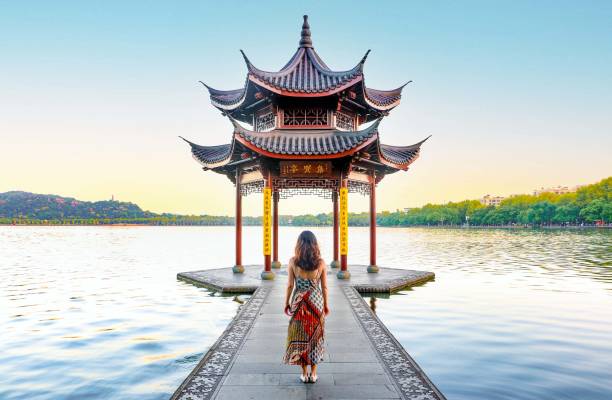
(305, 40)
(246, 60)
(364, 58)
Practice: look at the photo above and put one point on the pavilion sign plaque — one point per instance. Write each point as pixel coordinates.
(306, 169)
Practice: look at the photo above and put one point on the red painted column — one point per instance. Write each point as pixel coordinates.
(238, 268)
(335, 262)
(373, 268)
(275, 198)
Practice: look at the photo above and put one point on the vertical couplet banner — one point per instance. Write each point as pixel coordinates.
(343, 221)
(267, 221)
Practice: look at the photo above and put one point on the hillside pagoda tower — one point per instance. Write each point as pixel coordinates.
(305, 129)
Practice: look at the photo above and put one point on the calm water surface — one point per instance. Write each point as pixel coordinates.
(96, 312)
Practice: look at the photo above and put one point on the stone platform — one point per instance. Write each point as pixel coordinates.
(363, 360)
(388, 280)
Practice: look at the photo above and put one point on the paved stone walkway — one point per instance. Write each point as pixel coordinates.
(363, 360)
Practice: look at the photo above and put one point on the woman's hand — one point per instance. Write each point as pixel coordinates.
(288, 309)
(326, 310)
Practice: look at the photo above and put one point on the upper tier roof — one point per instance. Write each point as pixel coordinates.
(305, 75)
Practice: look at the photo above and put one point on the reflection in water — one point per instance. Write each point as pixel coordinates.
(511, 314)
(373, 304)
(97, 312)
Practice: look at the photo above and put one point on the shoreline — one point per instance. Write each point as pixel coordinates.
(569, 227)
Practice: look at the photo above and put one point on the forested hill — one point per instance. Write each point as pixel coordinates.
(24, 205)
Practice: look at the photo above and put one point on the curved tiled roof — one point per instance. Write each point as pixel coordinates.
(400, 155)
(225, 97)
(210, 156)
(306, 142)
(306, 73)
(384, 98)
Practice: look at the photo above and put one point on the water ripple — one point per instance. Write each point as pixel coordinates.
(97, 312)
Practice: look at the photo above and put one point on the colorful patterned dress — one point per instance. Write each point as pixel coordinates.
(305, 337)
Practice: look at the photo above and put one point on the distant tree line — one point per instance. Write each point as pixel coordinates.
(589, 205)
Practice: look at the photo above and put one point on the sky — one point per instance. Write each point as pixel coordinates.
(93, 95)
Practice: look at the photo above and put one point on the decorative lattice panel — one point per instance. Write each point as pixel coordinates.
(251, 187)
(305, 187)
(265, 122)
(305, 117)
(345, 121)
(362, 188)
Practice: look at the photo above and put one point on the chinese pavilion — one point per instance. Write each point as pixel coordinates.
(305, 129)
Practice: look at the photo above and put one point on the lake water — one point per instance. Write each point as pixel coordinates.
(97, 312)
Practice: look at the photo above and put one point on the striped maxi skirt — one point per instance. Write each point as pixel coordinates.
(305, 336)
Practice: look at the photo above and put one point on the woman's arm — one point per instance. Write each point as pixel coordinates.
(324, 288)
(290, 283)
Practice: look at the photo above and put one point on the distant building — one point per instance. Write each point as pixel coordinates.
(489, 200)
(557, 190)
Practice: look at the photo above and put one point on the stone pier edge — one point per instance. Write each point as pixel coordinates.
(407, 376)
(217, 286)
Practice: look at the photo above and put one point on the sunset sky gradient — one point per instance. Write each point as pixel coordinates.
(93, 96)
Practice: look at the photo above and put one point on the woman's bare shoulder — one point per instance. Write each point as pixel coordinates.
(322, 265)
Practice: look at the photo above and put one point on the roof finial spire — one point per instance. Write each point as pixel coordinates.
(305, 40)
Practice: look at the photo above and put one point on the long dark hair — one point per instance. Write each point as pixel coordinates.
(307, 253)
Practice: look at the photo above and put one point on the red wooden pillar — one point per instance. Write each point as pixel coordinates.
(373, 268)
(335, 262)
(238, 267)
(275, 198)
(267, 273)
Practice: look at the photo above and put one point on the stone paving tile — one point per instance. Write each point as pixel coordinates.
(252, 379)
(294, 379)
(352, 392)
(352, 356)
(258, 392)
(361, 379)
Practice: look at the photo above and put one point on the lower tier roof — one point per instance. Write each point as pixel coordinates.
(305, 144)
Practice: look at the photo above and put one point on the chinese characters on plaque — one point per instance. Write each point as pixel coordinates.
(306, 168)
(267, 221)
(343, 221)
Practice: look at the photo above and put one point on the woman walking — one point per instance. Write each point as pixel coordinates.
(307, 305)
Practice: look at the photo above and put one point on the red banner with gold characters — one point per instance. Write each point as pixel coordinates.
(343, 221)
(306, 169)
(267, 221)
